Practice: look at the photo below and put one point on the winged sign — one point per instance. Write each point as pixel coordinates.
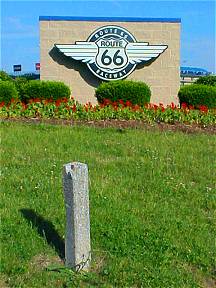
(111, 52)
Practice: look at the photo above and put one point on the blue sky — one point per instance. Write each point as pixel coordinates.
(20, 26)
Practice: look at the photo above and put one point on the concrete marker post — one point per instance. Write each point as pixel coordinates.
(77, 236)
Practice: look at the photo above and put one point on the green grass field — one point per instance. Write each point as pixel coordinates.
(152, 205)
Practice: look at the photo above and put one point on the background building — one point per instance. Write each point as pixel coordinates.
(190, 74)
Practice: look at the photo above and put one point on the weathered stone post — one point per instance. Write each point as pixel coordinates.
(77, 238)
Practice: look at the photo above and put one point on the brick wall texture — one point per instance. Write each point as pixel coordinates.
(162, 75)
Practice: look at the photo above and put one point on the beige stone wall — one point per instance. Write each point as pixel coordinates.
(162, 75)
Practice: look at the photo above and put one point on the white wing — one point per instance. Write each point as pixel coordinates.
(83, 51)
(138, 52)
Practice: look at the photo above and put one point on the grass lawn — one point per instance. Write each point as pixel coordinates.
(152, 205)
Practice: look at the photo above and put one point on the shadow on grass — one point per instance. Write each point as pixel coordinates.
(46, 230)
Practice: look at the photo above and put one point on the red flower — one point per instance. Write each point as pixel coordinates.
(2, 104)
(184, 105)
(24, 106)
(88, 106)
(106, 102)
(115, 103)
(136, 107)
(47, 101)
(203, 108)
(172, 106)
(35, 100)
(191, 107)
(58, 102)
(128, 103)
(121, 102)
(64, 100)
(74, 108)
(155, 107)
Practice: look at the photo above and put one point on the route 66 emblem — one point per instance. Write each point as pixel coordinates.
(111, 52)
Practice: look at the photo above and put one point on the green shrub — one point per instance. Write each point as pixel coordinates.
(55, 90)
(4, 76)
(126, 90)
(31, 89)
(20, 83)
(207, 80)
(7, 91)
(44, 90)
(198, 94)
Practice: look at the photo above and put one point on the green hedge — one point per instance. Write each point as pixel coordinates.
(43, 90)
(7, 91)
(126, 90)
(207, 80)
(198, 94)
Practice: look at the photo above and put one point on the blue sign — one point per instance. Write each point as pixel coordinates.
(17, 68)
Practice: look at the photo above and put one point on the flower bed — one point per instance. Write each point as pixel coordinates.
(70, 109)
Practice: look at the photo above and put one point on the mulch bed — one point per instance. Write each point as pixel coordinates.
(122, 124)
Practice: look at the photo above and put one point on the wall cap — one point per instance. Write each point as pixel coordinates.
(108, 19)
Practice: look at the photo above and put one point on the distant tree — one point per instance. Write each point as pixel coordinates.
(4, 76)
